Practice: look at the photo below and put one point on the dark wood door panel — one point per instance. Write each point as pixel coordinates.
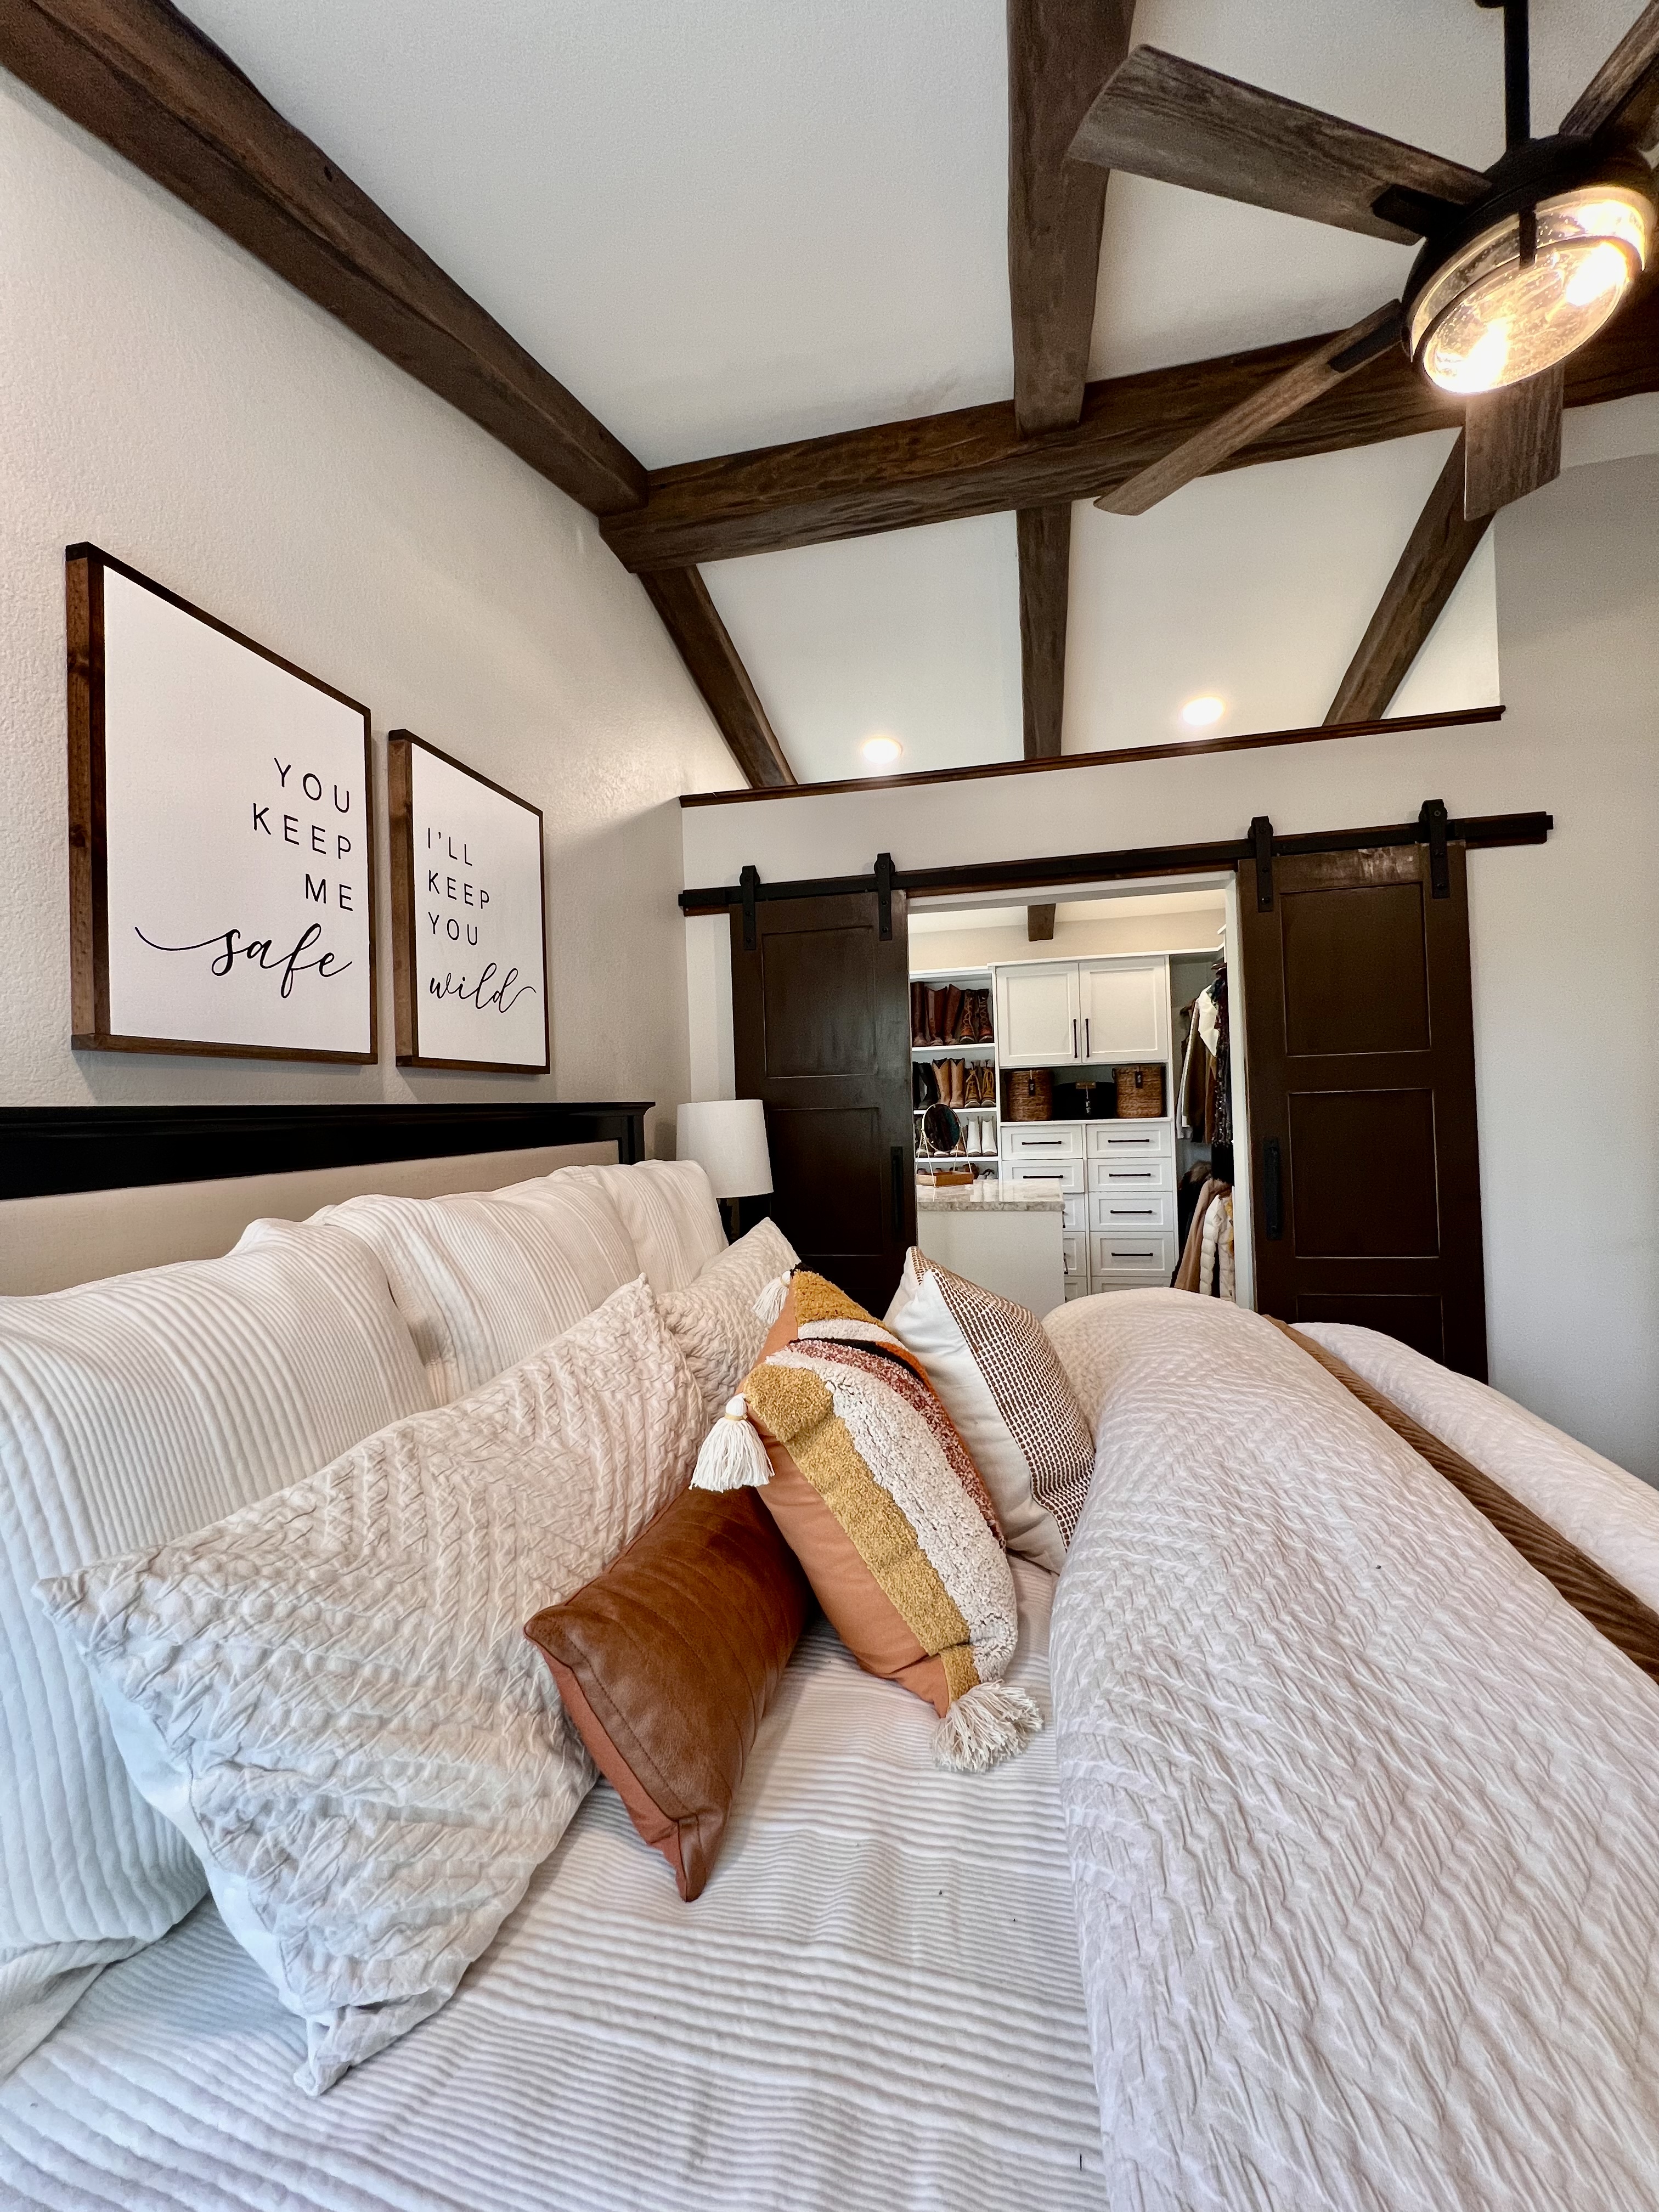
(1356, 977)
(821, 1023)
(1362, 1173)
(820, 989)
(1360, 1060)
(1414, 1320)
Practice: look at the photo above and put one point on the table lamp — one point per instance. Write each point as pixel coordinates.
(727, 1138)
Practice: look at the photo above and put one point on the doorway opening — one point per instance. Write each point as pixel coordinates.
(1078, 1099)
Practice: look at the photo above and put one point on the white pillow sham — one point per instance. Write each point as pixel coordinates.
(483, 1279)
(132, 1411)
(670, 1210)
(716, 1319)
(331, 1694)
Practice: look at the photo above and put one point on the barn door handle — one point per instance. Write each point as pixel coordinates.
(1273, 1179)
(898, 1190)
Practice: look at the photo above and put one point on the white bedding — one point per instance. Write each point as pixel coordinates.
(1363, 1819)
(876, 2004)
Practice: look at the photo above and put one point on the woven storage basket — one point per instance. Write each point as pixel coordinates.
(1140, 1093)
(1029, 1094)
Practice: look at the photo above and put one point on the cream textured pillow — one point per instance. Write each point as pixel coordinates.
(670, 1211)
(483, 1279)
(331, 1694)
(716, 1321)
(998, 1379)
(132, 1411)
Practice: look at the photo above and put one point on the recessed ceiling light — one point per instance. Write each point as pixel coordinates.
(1199, 714)
(882, 752)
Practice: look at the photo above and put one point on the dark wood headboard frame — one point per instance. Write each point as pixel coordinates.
(48, 1149)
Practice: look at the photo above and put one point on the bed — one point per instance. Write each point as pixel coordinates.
(1333, 1880)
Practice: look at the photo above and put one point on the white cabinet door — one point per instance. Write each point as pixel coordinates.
(1125, 1006)
(1037, 1014)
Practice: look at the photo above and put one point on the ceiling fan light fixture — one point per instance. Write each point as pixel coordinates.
(1481, 316)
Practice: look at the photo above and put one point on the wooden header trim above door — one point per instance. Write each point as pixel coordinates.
(1178, 749)
(1432, 828)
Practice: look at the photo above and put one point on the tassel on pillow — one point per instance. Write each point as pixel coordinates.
(985, 1725)
(733, 1455)
(770, 1304)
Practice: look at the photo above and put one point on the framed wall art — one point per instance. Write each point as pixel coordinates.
(222, 849)
(469, 916)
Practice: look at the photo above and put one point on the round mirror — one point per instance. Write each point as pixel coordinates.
(941, 1132)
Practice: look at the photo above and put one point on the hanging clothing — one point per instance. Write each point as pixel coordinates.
(1216, 1276)
(1186, 1275)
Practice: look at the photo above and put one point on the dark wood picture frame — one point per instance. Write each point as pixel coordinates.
(84, 567)
(406, 907)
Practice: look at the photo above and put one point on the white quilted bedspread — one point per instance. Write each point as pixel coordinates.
(1363, 1819)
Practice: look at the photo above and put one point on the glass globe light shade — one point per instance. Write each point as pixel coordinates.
(1487, 319)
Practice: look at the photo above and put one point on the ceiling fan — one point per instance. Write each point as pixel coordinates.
(1520, 264)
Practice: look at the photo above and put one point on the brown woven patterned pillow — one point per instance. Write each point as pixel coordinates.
(998, 1379)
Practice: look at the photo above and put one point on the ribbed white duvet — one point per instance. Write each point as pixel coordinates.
(877, 2003)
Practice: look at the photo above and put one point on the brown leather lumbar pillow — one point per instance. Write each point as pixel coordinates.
(667, 1663)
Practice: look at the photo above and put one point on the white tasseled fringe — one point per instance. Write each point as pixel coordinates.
(987, 1724)
(770, 1304)
(733, 1455)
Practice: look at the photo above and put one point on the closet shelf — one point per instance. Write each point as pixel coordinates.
(983, 1050)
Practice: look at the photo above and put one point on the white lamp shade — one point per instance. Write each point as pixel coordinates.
(727, 1138)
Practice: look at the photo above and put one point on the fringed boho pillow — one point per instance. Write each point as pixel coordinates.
(876, 1495)
(999, 1378)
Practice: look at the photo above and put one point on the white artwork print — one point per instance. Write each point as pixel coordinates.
(237, 842)
(480, 980)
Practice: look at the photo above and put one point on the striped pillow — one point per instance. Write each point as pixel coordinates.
(133, 1411)
(999, 1378)
(485, 1278)
(875, 1493)
(670, 1210)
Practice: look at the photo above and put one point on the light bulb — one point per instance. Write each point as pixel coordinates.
(1199, 714)
(882, 752)
(1487, 319)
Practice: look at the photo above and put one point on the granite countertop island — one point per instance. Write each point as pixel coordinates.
(990, 1194)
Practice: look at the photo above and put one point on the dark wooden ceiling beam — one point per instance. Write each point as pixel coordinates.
(692, 620)
(140, 77)
(975, 460)
(1440, 548)
(1059, 54)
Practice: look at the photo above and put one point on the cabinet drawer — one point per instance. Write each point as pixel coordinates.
(1075, 1255)
(1132, 1174)
(1041, 1140)
(1077, 1286)
(1047, 1178)
(1077, 1216)
(1138, 1211)
(1124, 1252)
(1124, 1140)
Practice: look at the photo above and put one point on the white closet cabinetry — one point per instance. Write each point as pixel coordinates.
(1038, 1017)
(1061, 1013)
(1125, 1005)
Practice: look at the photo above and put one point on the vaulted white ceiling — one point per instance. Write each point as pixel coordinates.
(726, 222)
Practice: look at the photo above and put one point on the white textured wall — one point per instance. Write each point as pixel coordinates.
(1565, 937)
(164, 396)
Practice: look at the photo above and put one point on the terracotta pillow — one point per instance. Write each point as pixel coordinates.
(879, 1499)
(667, 1662)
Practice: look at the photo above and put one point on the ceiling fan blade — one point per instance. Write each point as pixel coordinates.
(1511, 442)
(1284, 395)
(1621, 101)
(1159, 116)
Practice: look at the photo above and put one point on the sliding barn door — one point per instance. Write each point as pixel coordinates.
(1360, 1060)
(821, 1018)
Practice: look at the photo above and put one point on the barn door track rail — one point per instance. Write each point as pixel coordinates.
(1433, 827)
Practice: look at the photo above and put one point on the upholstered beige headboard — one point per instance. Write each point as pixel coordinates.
(75, 1236)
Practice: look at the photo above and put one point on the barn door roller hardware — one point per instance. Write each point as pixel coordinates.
(1432, 828)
